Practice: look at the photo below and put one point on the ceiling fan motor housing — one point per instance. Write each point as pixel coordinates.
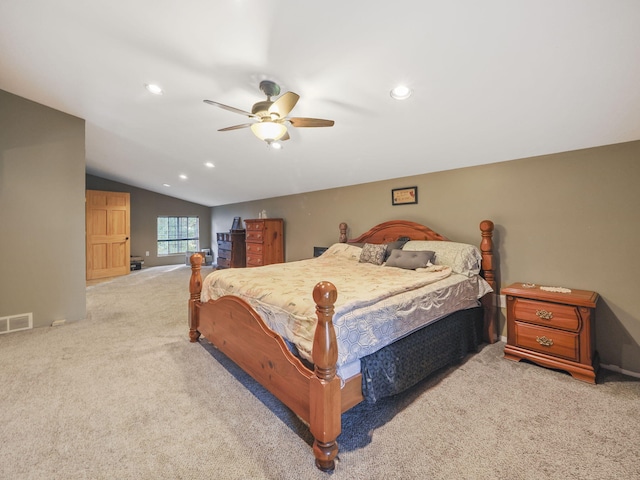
(261, 109)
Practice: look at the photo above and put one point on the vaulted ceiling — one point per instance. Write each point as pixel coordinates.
(492, 80)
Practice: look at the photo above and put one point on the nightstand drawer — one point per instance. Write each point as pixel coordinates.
(254, 260)
(256, 248)
(547, 340)
(223, 262)
(555, 315)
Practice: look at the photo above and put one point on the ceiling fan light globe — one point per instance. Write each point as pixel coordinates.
(268, 131)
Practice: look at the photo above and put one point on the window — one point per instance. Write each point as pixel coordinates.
(178, 235)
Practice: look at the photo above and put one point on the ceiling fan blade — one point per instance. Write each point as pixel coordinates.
(283, 105)
(235, 127)
(310, 122)
(227, 107)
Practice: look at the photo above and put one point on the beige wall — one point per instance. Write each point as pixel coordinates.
(42, 164)
(146, 206)
(569, 219)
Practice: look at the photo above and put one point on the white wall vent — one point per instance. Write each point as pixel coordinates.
(15, 323)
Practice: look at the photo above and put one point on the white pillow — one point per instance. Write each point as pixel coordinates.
(461, 257)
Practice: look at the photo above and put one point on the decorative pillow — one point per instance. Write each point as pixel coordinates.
(461, 257)
(398, 244)
(372, 253)
(409, 260)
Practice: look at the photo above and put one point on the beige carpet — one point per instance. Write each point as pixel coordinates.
(124, 395)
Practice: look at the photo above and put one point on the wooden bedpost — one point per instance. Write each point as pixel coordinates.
(343, 233)
(488, 301)
(195, 287)
(324, 387)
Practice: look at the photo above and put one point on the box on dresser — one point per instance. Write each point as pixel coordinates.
(265, 241)
(553, 327)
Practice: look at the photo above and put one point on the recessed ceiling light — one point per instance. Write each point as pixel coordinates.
(153, 88)
(209, 164)
(401, 92)
(166, 185)
(183, 176)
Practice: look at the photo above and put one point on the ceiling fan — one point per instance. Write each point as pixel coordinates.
(271, 116)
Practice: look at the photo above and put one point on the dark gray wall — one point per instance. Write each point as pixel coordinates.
(570, 219)
(42, 243)
(146, 206)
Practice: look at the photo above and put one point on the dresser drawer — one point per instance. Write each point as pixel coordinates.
(255, 236)
(566, 317)
(224, 245)
(253, 226)
(254, 260)
(547, 340)
(223, 262)
(255, 248)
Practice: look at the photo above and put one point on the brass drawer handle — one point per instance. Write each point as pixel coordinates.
(544, 341)
(543, 314)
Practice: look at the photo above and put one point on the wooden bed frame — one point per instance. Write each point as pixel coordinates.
(317, 396)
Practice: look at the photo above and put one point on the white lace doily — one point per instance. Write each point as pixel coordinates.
(556, 289)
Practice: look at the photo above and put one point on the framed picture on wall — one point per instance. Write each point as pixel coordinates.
(404, 196)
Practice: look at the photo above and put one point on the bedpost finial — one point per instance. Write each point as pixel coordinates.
(343, 233)
(486, 226)
(195, 260)
(325, 294)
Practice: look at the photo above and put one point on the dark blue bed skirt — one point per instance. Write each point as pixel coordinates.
(411, 359)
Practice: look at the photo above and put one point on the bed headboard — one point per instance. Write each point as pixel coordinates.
(395, 229)
(391, 231)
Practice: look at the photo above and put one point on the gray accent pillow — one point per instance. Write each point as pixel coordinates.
(372, 253)
(398, 244)
(410, 260)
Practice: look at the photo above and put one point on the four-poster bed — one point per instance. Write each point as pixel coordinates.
(305, 377)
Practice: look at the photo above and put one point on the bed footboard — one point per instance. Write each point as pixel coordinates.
(234, 328)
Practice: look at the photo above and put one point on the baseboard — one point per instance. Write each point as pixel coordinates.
(612, 368)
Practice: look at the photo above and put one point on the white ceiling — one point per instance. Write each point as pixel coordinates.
(493, 80)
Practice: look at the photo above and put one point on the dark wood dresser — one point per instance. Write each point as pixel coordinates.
(265, 241)
(231, 249)
(553, 329)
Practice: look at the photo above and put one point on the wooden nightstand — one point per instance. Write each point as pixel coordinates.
(553, 329)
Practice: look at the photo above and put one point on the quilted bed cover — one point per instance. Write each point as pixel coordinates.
(376, 305)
